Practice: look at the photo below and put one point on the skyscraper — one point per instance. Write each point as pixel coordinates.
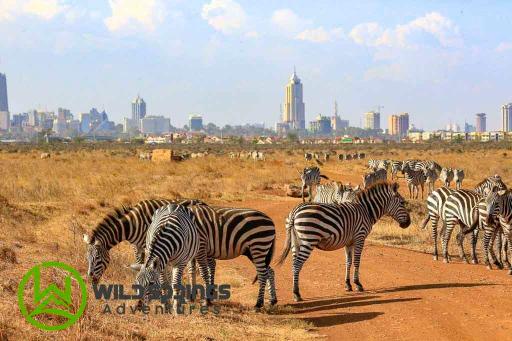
(4, 104)
(481, 122)
(195, 122)
(294, 109)
(398, 125)
(506, 113)
(371, 120)
(138, 109)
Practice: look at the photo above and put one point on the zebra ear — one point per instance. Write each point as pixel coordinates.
(87, 239)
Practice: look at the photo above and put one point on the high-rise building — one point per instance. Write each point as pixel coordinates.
(294, 108)
(5, 120)
(138, 109)
(4, 103)
(85, 122)
(321, 125)
(195, 122)
(398, 125)
(336, 122)
(155, 125)
(371, 120)
(468, 128)
(506, 114)
(481, 122)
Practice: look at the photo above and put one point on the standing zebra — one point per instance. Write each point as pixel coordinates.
(230, 232)
(376, 164)
(458, 176)
(331, 227)
(430, 179)
(308, 156)
(329, 193)
(446, 176)
(415, 179)
(460, 207)
(374, 177)
(310, 176)
(172, 241)
(396, 166)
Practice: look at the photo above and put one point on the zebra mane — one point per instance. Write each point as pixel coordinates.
(375, 187)
(116, 214)
(494, 178)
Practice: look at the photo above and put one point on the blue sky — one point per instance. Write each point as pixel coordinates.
(440, 61)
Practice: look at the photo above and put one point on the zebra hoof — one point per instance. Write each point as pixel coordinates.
(297, 298)
(273, 302)
(507, 265)
(446, 261)
(348, 288)
(474, 261)
(258, 305)
(435, 257)
(510, 272)
(489, 267)
(498, 265)
(359, 288)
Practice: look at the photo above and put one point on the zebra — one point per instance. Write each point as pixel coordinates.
(310, 176)
(396, 166)
(414, 179)
(172, 241)
(437, 199)
(331, 227)
(446, 176)
(499, 205)
(430, 179)
(308, 156)
(460, 207)
(361, 156)
(325, 156)
(256, 242)
(375, 164)
(329, 193)
(374, 177)
(126, 223)
(348, 156)
(458, 176)
(341, 157)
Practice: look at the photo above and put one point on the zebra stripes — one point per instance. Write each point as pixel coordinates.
(172, 241)
(415, 179)
(458, 176)
(430, 179)
(396, 166)
(374, 177)
(331, 227)
(376, 164)
(310, 177)
(446, 176)
(335, 193)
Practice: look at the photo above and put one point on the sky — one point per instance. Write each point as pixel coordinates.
(440, 61)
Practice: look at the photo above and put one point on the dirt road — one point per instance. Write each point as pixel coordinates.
(408, 295)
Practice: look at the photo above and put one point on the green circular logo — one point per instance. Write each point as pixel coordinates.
(52, 300)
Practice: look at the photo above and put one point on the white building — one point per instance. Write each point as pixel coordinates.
(155, 125)
(506, 113)
(5, 120)
(371, 120)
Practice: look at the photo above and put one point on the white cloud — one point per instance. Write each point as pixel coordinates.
(504, 46)
(44, 9)
(287, 20)
(418, 32)
(226, 16)
(320, 35)
(147, 14)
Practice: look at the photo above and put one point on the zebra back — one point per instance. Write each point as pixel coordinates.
(488, 184)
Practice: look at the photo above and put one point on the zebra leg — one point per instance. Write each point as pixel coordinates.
(434, 219)
(446, 239)
(358, 250)
(506, 243)
(211, 269)
(488, 236)
(495, 261)
(460, 242)
(177, 276)
(192, 272)
(302, 193)
(139, 255)
(474, 239)
(202, 262)
(348, 263)
(299, 258)
(271, 286)
(310, 193)
(499, 246)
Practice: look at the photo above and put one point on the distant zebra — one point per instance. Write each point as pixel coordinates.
(430, 179)
(331, 227)
(310, 177)
(308, 156)
(45, 155)
(172, 241)
(415, 180)
(341, 157)
(460, 207)
(458, 176)
(145, 156)
(361, 156)
(396, 166)
(446, 176)
(374, 177)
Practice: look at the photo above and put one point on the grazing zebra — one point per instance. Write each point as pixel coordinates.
(458, 176)
(415, 179)
(310, 176)
(446, 176)
(374, 177)
(430, 179)
(460, 207)
(130, 224)
(329, 193)
(361, 156)
(396, 166)
(348, 156)
(331, 227)
(172, 241)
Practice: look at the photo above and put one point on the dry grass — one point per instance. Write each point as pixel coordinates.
(46, 205)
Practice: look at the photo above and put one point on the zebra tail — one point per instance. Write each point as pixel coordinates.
(268, 258)
(475, 224)
(323, 176)
(289, 239)
(424, 222)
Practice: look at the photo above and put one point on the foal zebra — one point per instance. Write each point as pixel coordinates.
(458, 176)
(310, 176)
(415, 179)
(172, 241)
(446, 176)
(331, 227)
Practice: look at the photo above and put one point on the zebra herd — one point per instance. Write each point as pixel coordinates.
(325, 156)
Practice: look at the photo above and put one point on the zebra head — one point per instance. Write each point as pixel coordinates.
(98, 257)
(395, 206)
(148, 277)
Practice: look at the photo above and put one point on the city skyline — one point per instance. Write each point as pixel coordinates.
(222, 57)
